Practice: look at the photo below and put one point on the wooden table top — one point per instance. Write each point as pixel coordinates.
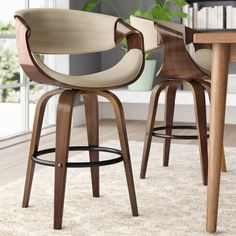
(216, 36)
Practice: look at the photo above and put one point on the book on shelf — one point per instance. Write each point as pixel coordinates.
(185, 10)
(195, 15)
(233, 19)
(229, 17)
(209, 17)
(220, 17)
(190, 17)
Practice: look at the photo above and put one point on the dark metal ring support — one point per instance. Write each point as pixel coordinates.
(186, 137)
(80, 164)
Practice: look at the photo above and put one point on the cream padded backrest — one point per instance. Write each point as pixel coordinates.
(150, 33)
(58, 31)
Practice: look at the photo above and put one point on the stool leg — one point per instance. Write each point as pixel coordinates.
(169, 115)
(207, 87)
(150, 125)
(63, 129)
(91, 113)
(38, 121)
(200, 111)
(120, 120)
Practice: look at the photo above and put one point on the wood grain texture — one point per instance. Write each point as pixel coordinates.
(200, 111)
(207, 86)
(120, 121)
(218, 100)
(149, 127)
(218, 37)
(174, 49)
(170, 95)
(92, 122)
(151, 120)
(63, 129)
(232, 57)
(201, 123)
(215, 37)
(37, 126)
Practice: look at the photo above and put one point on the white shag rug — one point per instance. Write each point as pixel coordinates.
(171, 200)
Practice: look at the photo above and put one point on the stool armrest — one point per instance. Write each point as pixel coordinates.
(134, 37)
(177, 62)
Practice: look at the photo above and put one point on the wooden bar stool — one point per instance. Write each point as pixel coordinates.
(177, 68)
(57, 31)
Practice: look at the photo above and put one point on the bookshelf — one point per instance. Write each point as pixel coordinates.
(210, 15)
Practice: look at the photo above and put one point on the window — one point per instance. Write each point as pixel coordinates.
(18, 95)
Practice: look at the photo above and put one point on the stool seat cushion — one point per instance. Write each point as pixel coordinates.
(124, 72)
(202, 58)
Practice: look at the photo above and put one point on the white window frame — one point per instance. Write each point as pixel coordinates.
(24, 86)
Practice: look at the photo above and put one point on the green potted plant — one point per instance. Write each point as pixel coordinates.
(160, 10)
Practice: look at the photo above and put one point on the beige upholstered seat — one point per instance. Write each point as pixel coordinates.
(203, 58)
(56, 31)
(122, 73)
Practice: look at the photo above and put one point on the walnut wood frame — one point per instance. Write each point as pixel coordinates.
(223, 52)
(174, 48)
(64, 115)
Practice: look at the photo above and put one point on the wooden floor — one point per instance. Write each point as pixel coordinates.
(14, 159)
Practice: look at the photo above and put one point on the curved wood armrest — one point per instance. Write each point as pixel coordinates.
(133, 36)
(177, 62)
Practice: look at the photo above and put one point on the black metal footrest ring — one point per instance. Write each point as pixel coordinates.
(80, 164)
(174, 127)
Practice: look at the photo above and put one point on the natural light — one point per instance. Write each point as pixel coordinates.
(18, 95)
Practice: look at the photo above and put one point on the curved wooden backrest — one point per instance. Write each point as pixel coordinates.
(177, 63)
(35, 72)
(63, 31)
(172, 39)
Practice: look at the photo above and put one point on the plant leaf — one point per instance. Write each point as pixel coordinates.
(145, 14)
(90, 5)
(179, 3)
(180, 14)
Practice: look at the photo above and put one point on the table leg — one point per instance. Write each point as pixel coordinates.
(220, 64)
